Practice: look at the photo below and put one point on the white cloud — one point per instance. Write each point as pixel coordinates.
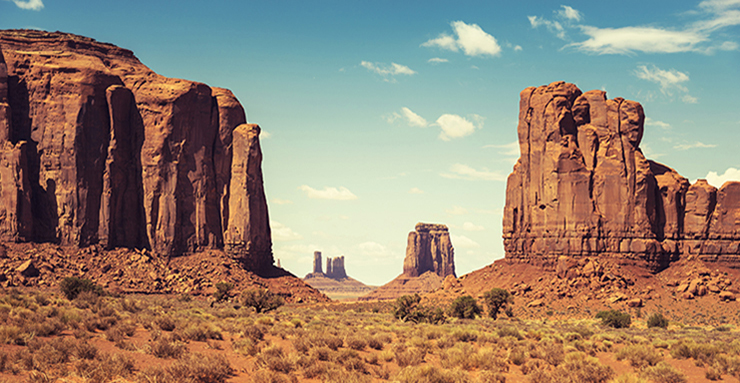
(517, 48)
(437, 60)
(279, 201)
(460, 171)
(416, 191)
(454, 126)
(264, 135)
(412, 118)
(34, 5)
(510, 149)
(694, 145)
(627, 40)
(373, 249)
(471, 39)
(341, 194)
(717, 180)
(569, 13)
(463, 242)
(660, 124)
(388, 70)
(457, 210)
(469, 226)
(669, 80)
(281, 232)
(553, 26)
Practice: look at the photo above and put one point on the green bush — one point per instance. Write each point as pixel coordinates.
(408, 309)
(657, 320)
(71, 287)
(464, 307)
(496, 299)
(261, 299)
(223, 290)
(614, 318)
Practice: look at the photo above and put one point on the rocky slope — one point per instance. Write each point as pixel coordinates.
(582, 187)
(98, 150)
(430, 258)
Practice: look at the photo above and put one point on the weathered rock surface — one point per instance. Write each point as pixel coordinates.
(582, 187)
(429, 249)
(430, 259)
(96, 148)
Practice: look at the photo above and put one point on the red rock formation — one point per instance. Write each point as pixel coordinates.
(429, 249)
(95, 148)
(582, 187)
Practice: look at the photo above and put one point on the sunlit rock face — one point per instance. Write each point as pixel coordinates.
(96, 148)
(582, 187)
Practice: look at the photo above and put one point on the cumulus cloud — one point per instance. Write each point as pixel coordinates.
(463, 242)
(437, 60)
(388, 71)
(469, 226)
(264, 135)
(373, 249)
(416, 191)
(470, 38)
(457, 210)
(696, 36)
(34, 5)
(694, 145)
(465, 172)
(412, 118)
(669, 80)
(659, 124)
(281, 232)
(717, 180)
(454, 126)
(569, 13)
(341, 194)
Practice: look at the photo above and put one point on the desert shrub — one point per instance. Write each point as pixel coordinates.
(268, 376)
(274, 358)
(486, 376)
(488, 359)
(223, 291)
(664, 373)
(85, 350)
(465, 335)
(509, 331)
(199, 368)
(640, 355)
(413, 356)
(255, 332)
(460, 356)
(246, 346)
(375, 342)
(657, 320)
(200, 332)
(704, 352)
(337, 375)
(464, 307)
(105, 368)
(407, 309)
(356, 343)
(261, 300)
(578, 367)
(517, 356)
(166, 323)
(167, 347)
(71, 287)
(614, 318)
(497, 299)
(429, 374)
(713, 373)
(553, 353)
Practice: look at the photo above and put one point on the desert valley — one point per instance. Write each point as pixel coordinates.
(138, 241)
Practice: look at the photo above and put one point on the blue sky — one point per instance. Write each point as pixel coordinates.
(381, 114)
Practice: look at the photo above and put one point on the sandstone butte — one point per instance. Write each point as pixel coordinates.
(334, 282)
(430, 259)
(96, 149)
(582, 187)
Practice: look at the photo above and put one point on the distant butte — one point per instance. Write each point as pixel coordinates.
(335, 282)
(430, 258)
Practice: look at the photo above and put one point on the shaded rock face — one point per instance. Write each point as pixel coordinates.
(95, 148)
(429, 249)
(334, 267)
(582, 187)
(317, 262)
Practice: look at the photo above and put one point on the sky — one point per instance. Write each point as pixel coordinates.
(377, 115)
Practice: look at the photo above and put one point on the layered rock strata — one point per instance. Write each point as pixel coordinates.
(582, 187)
(96, 148)
(429, 248)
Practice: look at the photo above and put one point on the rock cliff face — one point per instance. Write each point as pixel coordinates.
(95, 148)
(582, 187)
(429, 249)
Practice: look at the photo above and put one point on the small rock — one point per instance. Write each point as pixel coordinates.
(536, 303)
(726, 296)
(634, 302)
(687, 295)
(28, 270)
